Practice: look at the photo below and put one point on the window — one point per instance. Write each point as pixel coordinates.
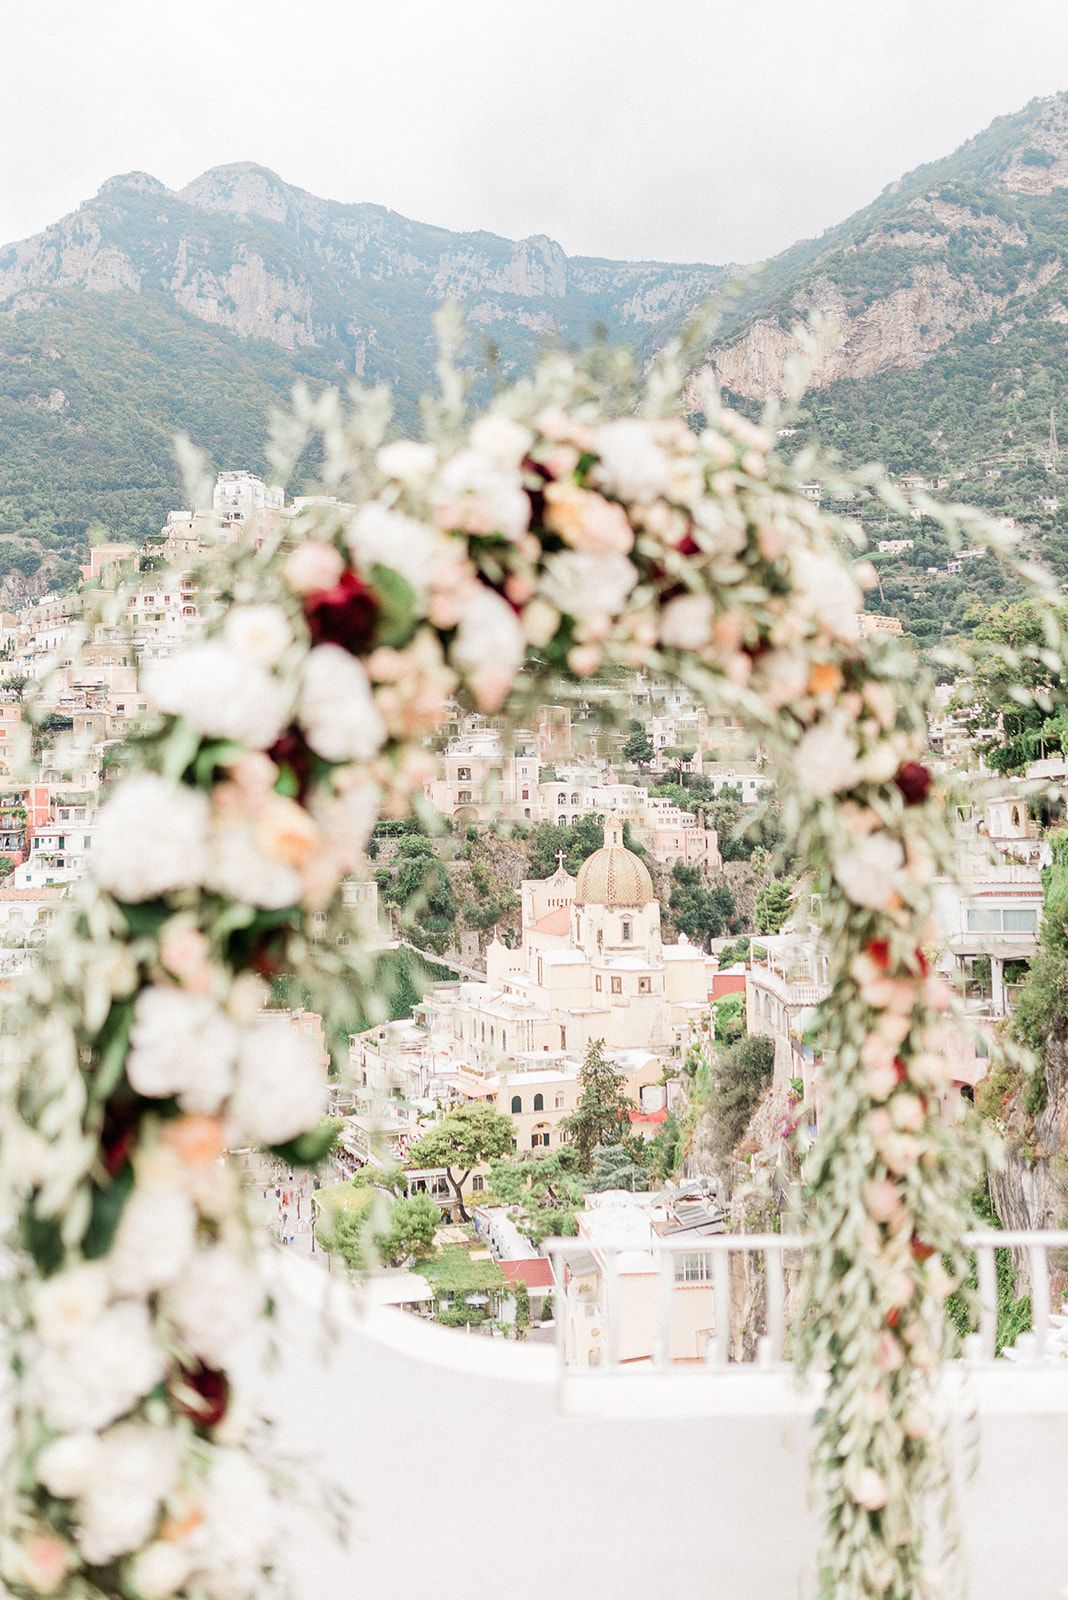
(559, 1102)
(574, 799)
(539, 1139)
(561, 799)
(645, 986)
(693, 1268)
(1002, 919)
(517, 1102)
(464, 796)
(478, 1182)
(597, 983)
(626, 930)
(539, 1102)
(617, 985)
(463, 774)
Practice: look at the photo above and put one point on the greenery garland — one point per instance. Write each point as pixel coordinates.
(579, 524)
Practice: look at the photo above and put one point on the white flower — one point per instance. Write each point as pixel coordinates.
(212, 1304)
(181, 1044)
(337, 709)
(155, 1238)
(826, 591)
(159, 1570)
(825, 761)
(221, 694)
(686, 622)
(474, 494)
(505, 442)
(138, 1467)
(407, 462)
(584, 585)
(68, 1464)
(258, 634)
(313, 565)
(784, 676)
(240, 869)
(345, 821)
(150, 838)
(881, 760)
(632, 465)
(489, 646)
(281, 1083)
(102, 1373)
(868, 871)
(379, 537)
(69, 1302)
(237, 1537)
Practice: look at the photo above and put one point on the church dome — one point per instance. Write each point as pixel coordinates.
(613, 875)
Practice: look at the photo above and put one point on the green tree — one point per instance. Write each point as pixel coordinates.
(545, 1190)
(418, 885)
(730, 1090)
(1040, 1014)
(1007, 703)
(412, 1226)
(729, 1015)
(638, 747)
(602, 1115)
(614, 1167)
(461, 1141)
(774, 902)
(664, 1150)
(702, 913)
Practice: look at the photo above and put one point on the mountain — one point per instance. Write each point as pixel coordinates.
(149, 311)
(951, 302)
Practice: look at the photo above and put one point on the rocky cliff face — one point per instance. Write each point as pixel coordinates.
(975, 239)
(241, 250)
(1032, 1190)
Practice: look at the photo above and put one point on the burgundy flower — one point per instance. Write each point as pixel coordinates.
(879, 951)
(914, 780)
(212, 1391)
(291, 753)
(119, 1134)
(343, 615)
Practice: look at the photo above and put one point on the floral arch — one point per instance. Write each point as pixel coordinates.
(579, 522)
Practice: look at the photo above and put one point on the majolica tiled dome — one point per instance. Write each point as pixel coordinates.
(613, 875)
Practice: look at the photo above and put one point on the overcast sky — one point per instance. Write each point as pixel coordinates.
(690, 130)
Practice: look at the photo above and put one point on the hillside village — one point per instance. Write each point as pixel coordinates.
(597, 921)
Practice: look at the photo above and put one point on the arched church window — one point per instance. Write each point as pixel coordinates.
(539, 1102)
(517, 1102)
(626, 929)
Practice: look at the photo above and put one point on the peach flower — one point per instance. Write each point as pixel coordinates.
(195, 1140)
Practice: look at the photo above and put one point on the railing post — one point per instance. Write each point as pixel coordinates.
(667, 1288)
(986, 1272)
(776, 1281)
(612, 1306)
(1038, 1255)
(721, 1286)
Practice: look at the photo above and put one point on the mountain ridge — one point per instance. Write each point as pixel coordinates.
(149, 310)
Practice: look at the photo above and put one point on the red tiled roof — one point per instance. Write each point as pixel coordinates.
(536, 1272)
(649, 1116)
(557, 922)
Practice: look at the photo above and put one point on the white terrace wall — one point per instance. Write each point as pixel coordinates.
(468, 1477)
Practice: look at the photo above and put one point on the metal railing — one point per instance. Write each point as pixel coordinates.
(653, 1300)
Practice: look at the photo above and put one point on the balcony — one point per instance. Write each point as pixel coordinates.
(638, 1484)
